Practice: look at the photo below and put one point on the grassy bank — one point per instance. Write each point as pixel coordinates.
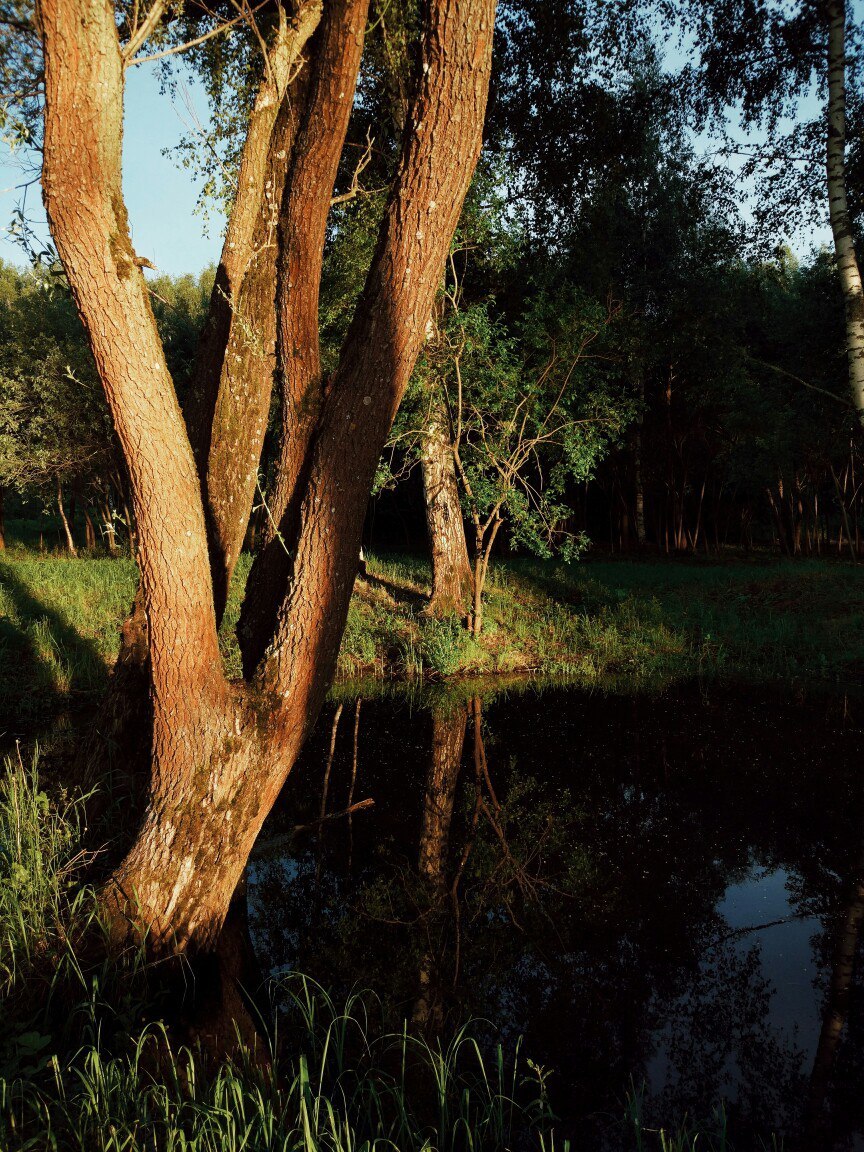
(80, 1071)
(641, 620)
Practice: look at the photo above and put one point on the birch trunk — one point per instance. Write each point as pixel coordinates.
(841, 221)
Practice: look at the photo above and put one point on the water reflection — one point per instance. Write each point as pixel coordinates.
(663, 891)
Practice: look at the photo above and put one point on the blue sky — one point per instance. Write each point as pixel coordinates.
(161, 197)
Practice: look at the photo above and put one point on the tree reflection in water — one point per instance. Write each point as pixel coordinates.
(557, 862)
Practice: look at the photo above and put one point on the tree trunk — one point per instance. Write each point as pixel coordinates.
(220, 752)
(841, 221)
(2, 518)
(448, 738)
(89, 530)
(236, 361)
(451, 568)
(70, 543)
(303, 219)
(232, 383)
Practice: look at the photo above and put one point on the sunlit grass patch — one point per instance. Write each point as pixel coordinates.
(642, 619)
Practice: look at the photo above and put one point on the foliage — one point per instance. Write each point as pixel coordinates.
(530, 411)
(54, 423)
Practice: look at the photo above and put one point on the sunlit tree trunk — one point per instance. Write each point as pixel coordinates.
(236, 361)
(221, 752)
(451, 568)
(67, 531)
(302, 231)
(841, 221)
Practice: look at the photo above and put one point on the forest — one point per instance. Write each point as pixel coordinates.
(432, 632)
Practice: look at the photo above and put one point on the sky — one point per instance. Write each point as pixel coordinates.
(161, 197)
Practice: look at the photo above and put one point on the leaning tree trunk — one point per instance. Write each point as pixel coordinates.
(302, 235)
(451, 568)
(841, 220)
(221, 752)
(229, 401)
(67, 531)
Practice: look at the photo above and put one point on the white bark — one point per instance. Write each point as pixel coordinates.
(841, 223)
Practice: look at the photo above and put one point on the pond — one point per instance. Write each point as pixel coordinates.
(660, 893)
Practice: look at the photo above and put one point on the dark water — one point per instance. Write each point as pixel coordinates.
(658, 892)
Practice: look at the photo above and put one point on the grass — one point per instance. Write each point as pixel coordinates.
(602, 620)
(87, 1079)
(594, 622)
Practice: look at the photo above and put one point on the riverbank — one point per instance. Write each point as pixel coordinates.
(640, 620)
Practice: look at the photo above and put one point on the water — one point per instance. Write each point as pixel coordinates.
(648, 889)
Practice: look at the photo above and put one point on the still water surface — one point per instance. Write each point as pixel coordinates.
(650, 889)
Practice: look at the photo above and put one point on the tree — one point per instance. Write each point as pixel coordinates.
(55, 431)
(221, 751)
(527, 413)
(761, 60)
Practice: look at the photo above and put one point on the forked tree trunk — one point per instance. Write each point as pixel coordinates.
(233, 378)
(302, 234)
(451, 568)
(221, 753)
(236, 361)
(841, 220)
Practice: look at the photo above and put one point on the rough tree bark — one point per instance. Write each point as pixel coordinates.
(236, 361)
(302, 234)
(221, 752)
(841, 221)
(451, 568)
(227, 410)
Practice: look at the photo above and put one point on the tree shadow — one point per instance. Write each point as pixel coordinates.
(397, 592)
(47, 669)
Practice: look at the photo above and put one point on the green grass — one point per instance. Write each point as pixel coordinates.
(595, 622)
(639, 620)
(85, 1077)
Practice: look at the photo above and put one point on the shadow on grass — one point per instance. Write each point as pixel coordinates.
(399, 592)
(46, 666)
